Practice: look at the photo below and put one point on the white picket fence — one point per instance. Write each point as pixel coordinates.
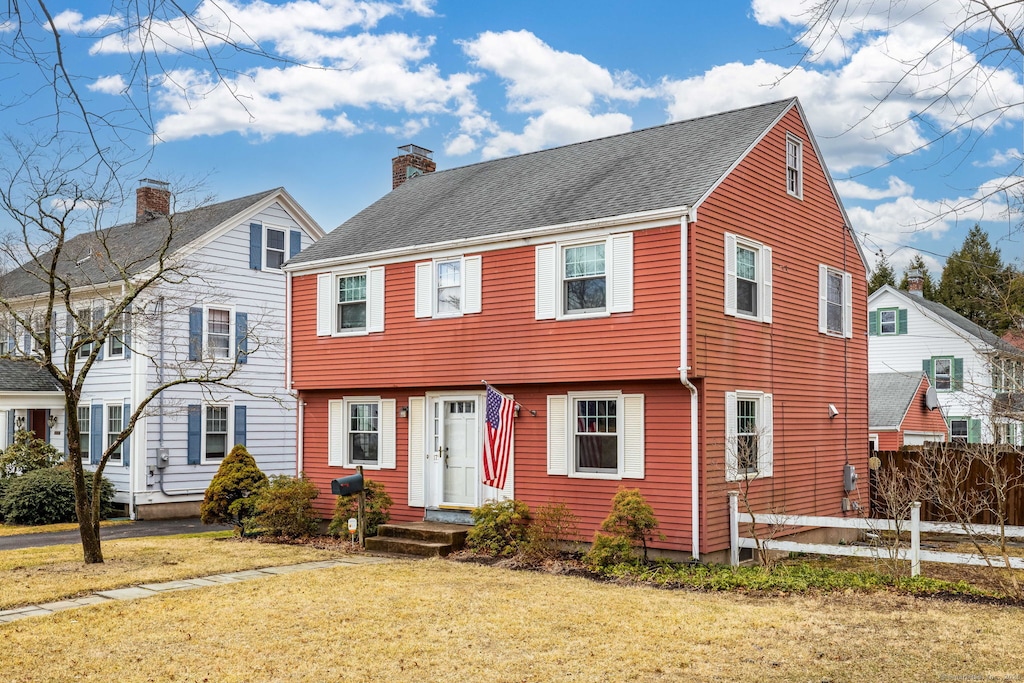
(913, 553)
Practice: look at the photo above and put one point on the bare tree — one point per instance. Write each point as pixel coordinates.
(77, 285)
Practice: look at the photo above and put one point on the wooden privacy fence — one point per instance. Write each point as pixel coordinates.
(967, 472)
(912, 553)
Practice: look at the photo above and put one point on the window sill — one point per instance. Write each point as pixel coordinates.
(751, 318)
(583, 316)
(611, 476)
(365, 466)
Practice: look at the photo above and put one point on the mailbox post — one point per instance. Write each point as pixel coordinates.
(347, 486)
(362, 511)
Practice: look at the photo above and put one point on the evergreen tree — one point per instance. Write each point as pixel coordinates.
(974, 282)
(883, 274)
(917, 263)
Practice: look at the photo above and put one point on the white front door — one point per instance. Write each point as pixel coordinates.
(456, 432)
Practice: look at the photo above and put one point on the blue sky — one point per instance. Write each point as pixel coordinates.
(477, 80)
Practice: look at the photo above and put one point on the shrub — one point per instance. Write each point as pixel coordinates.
(550, 525)
(26, 454)
(378, 509)
(631, 517)
(609, 551)
(499, 527)
(284, 507)
(230, 497)
(47, 496)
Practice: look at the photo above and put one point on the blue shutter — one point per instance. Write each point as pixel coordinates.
(973, 430)
(242, 337)
(125, 447)
(256, 246)
(295, 243)
(69, 331)
(195, 334)
(97, 317)
(195, 435)
(240, 425)
(96, 429)
(10, 426)
(873, 323)
(958, 375)
(127, 336)
(901, 321)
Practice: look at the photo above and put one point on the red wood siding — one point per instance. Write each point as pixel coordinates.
(803, 369)
(504, 343)
(919, 418)
(667, 452)
(890, 441)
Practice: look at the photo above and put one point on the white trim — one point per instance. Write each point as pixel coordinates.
(765, 435)
(558, 455)
(105, 443)
(763, 263)
(338, 454)
(427, 284)
(417, 450)
(792, 139)
(570, 430)
(230, 308)
(265, 246)
(228, 437)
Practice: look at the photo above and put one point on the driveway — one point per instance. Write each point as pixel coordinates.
(167, 527)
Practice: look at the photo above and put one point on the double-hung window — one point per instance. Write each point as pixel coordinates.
(448, 287)
(794, 167)
(84, 431)
(748, 435)
(835, 302)
(275, 253)
(596, 435)
(943, 374)
(350, 303)
(115, 425)
(85, 323)
(270, 247)
(218, 334)
(216, 427)
(958, 429)
(116, 340)
(361, 431)
(748, 279)
(585, 279)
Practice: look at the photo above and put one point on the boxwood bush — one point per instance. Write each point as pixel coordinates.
(47, 496)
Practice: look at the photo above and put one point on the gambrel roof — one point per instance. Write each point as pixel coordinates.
(94, 257)
(663, 167)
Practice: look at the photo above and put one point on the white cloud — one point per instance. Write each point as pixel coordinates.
(70, 21)
(109, 85)
(850, 189)
(557, 126)
(1001, 158)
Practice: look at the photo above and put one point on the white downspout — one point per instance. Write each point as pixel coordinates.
(684, 295)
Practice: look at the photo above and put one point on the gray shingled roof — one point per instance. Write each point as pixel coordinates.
(84, 260)
(889, 396)
(24, 375)
(954, 318)
(662, 167)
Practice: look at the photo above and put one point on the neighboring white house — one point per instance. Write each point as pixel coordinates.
(977, 376)
(230, 310)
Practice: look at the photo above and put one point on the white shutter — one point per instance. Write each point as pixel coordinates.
(822, 299)
(730, 274)
(633, 436)
(765, 457)
(766, 284)
(558, 459)
(546, 281)
(848, 305)
(507, 493)
(731, 463)
(388, 448)
(471, 276)
(375, 300)
(324, 304)
(621, 273)
(335, 433)
(417, 423)
(424, 289)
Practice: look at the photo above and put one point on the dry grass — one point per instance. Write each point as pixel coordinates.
(442, 621)
(15, 530)
(36, 575)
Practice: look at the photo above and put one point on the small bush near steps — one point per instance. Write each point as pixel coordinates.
(378, 510)
(630, 522)
(499, 528)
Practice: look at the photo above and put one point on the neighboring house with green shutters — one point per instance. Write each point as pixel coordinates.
(228, 308)
(978, 377)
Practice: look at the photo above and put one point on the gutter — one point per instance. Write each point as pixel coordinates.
(689, 216)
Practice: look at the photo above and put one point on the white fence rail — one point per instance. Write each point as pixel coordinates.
(914, 554)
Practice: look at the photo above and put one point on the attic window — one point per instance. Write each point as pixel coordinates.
(794, 167)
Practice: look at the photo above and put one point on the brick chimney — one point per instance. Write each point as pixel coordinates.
(412, 161)
(915, 282)
(153, 197)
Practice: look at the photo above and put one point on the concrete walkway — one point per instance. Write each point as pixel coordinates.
(150, 589)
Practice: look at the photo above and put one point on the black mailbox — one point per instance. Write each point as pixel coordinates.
(346, 486)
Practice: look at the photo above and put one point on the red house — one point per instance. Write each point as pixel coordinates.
(680, 309)
(903, 411)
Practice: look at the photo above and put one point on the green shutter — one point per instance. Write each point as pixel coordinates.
(901, 321)
(928, 367)
(873, 323)
(973, 430)
(958, 374)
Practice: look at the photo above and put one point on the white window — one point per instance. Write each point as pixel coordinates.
(835, 302)
(958, 430)
(887, 321)
(84, 430)
(219, 339)
(748, 279)
(748, 435)
(1007, 375)
(596, 435)
(943, 374)
(362, 432)
(274, 251)
(350, 303)
(115, 342)
(585, 279)
(794, 167)
(448, 287)
(216, 427)
(115, 424)
(85, 322)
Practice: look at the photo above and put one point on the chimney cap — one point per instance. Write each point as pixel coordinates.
(416, 150)
(150, 182)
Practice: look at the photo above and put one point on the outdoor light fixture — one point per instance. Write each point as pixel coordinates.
(19, 422)
(403, 411)
(832, 411)
(52, 421)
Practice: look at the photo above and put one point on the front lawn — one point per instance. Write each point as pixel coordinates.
(446, 621)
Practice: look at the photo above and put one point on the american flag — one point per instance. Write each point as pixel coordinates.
(498, 444)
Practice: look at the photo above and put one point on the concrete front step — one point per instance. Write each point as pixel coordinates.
(431, 539)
